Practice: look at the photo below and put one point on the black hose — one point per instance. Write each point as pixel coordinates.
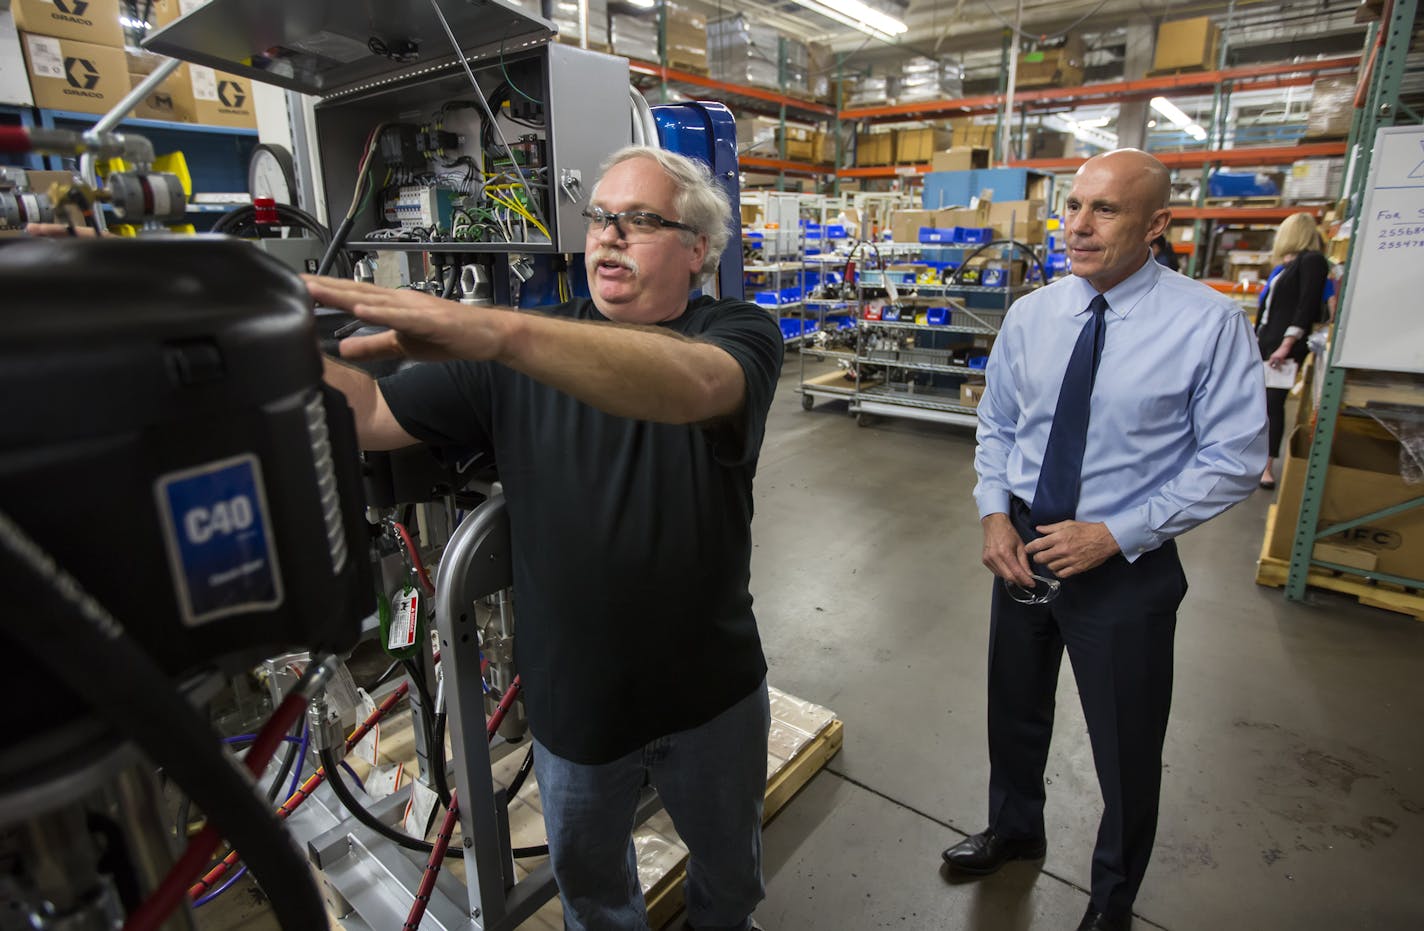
(437, 760)
(287, 760)
(525, 766)
(90, 653)
(332, 766)
(338, 242)
(1022, 247)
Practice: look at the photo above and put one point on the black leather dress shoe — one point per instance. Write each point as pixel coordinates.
(1095, 920)
(985, 852)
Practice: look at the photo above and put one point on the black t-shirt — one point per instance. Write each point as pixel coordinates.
(632, 539)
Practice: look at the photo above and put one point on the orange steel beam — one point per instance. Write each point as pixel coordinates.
(752, 162)
(739, 90)
(1260, 155)
(1246, 78)
(1246, 214)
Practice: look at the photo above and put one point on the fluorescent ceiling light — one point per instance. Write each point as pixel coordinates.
(857, 15)
(643, 4)
(1179, 119)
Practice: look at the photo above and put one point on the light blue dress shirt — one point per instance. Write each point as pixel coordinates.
(1177, 430)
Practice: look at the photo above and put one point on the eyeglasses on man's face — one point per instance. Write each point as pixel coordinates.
(1044, 590)
(632, 225)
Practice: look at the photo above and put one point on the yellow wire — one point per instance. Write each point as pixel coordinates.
(522, 212)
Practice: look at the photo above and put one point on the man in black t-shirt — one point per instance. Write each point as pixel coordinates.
(626, 430)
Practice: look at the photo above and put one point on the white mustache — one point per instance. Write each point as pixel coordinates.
(601, 255)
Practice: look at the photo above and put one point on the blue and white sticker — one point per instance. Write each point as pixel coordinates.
(219, 537)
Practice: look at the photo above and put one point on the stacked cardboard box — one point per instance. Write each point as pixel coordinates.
(686, 39)
(74, 60)
(1332, 107)
(966, 133)
(875, 149)
(1314, 179)
(1019, 219)
(634, 36)
(868, 91)
(929, 79)
(566, 21)
(744, 52)
(1187, 45)
(913, 146)
(961, 158)
(14, 79)
(1059, 64)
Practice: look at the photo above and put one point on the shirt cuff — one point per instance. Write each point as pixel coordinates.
(991, 501)
(1295, 331)
(1132, 534)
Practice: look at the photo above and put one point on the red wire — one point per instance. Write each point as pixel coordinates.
(158, 906)
(414, 557)
(432, 866)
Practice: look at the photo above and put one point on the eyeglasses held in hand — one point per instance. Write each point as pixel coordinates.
(1044, 590)
(632, 225)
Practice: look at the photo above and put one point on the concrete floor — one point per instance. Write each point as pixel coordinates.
(1294, 765)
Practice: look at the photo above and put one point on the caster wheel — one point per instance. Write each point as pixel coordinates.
(863, 420)
(807, 402)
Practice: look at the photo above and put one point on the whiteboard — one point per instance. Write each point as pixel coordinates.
(1382, 326)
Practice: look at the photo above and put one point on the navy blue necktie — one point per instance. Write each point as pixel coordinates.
(1056, 497)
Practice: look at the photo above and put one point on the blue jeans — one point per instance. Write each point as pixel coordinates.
(712, 781)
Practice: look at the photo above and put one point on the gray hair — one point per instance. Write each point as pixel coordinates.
(700, 202)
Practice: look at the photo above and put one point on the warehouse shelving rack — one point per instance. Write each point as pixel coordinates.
(1383, 107)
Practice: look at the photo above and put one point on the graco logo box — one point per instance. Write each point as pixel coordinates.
(95, 21)
(69, 75)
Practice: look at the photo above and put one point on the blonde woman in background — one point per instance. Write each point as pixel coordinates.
(1291, 304)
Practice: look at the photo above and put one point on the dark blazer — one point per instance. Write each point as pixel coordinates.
(1296, 297)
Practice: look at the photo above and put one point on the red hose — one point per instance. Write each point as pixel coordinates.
(14, 139)
(158, 906)
(447, 826)
(432, 866)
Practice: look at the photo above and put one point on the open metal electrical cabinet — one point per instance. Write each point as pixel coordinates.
(559, 111)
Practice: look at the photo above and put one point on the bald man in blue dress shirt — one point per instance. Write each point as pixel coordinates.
(1124, 406)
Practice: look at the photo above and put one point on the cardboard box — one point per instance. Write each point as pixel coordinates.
(1363, 477)
(219, 99)
(971, 392)
(686, 39)
(14, 79)
(166, 11)
(971, 217)
(1332, 107)
(960, 159)
(171, 100)
(92, 21)
(965, 133)
(823, 148)
(874, 149)
(1023, 219)
(913, 146)
(69, 75)
(1187, 45)
(1057, 66)
(905, 224)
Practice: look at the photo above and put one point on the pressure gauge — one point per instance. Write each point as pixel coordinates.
(271, 172)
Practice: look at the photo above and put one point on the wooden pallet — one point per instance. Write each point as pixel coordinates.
(1275, 572)
(664, 899)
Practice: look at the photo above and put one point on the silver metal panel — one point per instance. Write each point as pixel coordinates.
(320, 47)
(589, 118)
